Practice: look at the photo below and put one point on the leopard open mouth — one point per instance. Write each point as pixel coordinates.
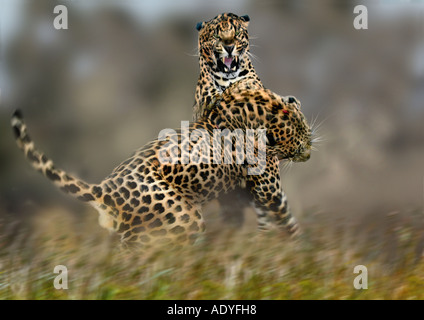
(228, 64)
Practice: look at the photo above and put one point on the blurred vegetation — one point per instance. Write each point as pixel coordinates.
(227, 264)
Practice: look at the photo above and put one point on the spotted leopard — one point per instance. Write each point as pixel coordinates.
(223, 48)
(148, 201)
(224, 59)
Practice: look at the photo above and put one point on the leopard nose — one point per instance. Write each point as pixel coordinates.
(229, 49)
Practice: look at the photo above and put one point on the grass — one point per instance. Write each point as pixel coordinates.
(227, 264)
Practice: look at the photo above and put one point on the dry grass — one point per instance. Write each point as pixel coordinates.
(225, 265)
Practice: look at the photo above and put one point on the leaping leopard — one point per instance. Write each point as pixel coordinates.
(147, 202)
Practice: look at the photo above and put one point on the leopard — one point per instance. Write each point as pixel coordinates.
(155, 197)
(224, 59)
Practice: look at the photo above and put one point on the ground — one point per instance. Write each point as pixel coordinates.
(225, 265)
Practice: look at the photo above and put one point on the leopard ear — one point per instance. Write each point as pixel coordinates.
(293, 100)
(245, 18)
(199, 26)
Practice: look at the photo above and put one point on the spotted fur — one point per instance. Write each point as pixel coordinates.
(148, 202)
(224, 60)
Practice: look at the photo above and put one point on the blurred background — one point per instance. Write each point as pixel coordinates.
(124, 70)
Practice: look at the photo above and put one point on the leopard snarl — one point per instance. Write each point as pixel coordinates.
(223, 58)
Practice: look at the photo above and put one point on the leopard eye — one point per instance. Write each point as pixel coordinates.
(216, 36)
(237, 33)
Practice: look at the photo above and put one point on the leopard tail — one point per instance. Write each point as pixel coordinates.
(39, 161)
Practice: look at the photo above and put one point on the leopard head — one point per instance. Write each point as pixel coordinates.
(224, 43)
(289, 135)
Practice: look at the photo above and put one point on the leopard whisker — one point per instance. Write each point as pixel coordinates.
(195, 52)
(287, 165)
(254, 57)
